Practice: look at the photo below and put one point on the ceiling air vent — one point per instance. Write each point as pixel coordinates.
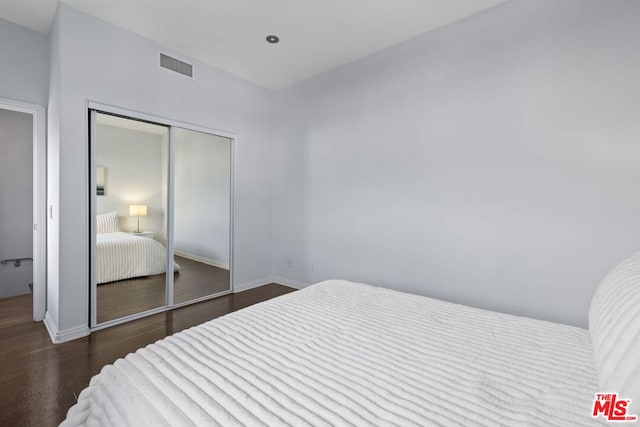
(176, 65)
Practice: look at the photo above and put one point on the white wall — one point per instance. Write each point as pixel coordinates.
(24, 68)
(16, 202)
(100, 62)
(202, 196)
(135, 164)
(53, 180)
(493, 162)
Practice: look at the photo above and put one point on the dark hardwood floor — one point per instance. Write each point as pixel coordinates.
(125, 297)
(40, 381)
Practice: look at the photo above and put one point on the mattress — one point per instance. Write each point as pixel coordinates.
(122, 256)
(341, 353)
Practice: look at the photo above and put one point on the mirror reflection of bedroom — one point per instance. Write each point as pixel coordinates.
(159, 191)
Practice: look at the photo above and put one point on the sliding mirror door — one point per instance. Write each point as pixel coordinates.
(161, 201)
(131, 192)
(202, 214)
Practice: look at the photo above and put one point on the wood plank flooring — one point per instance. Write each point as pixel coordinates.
(39, 381)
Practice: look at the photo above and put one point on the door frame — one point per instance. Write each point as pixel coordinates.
(39, 220)
(92, 106)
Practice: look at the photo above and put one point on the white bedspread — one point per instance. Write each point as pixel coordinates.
(340, 353)
(122, 256)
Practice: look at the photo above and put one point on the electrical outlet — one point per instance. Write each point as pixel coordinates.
(314, 266)
(290, 262)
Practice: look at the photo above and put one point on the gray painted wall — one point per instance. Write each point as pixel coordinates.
(493, 162)
(24, 68)
(93, 60)
(16, 201)
(53, 174)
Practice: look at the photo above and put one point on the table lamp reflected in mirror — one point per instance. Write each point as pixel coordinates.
(138, 211)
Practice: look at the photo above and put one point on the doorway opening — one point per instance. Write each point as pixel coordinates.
(23, 203)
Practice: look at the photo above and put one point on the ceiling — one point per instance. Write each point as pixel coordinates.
(34, 14)
(315, 35)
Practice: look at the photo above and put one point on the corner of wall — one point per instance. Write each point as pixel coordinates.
(292, 283)
(245, 286)
(279, 280)
(60, 336)
(52, 181)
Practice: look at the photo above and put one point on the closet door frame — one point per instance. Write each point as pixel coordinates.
(95, 107)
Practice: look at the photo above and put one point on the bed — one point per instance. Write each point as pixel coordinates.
(343, 353)
(121, 256)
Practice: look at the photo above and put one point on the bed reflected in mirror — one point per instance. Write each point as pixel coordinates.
(162, 202)
(202, 209)
(131, 160)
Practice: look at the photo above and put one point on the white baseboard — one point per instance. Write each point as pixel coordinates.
(51, 326)
(58, 336)
(292, 283)
(204, 260)
(296, 284)
(239, 287)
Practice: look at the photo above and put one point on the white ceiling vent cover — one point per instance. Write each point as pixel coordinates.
(176, 65)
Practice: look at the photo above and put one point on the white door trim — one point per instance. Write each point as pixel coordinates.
(39, 200)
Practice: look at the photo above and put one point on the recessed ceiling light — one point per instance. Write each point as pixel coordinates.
(273, 39)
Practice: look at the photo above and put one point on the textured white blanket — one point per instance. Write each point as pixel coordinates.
(122, 256)
(341, 353)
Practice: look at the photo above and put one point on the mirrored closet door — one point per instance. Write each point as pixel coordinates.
(202, 213)
(161, 202)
